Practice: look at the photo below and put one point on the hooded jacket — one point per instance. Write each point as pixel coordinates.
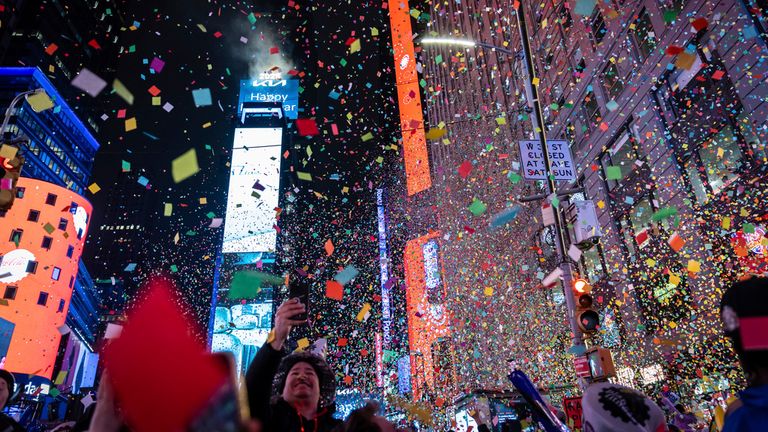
(752, 415)
(275, 414)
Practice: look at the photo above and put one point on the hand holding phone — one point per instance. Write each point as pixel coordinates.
(285, 319)
(299, 289)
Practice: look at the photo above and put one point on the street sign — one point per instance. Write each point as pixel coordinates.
(581, 364)
(560, 158)
(573, 411)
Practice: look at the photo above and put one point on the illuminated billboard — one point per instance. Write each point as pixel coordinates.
(254, 186)
(271, 89)
(242, 329)
(428, 321)
(45, 231)
(417, 175)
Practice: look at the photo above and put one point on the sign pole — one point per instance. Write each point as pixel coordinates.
(532, 82)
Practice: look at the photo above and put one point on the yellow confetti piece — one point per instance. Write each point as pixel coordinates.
(130, 124)
(354, 46)
(488, 291)
(694, 266)
(535, 81)
(363, 312)
(203, 200)
(304, 176)
(674, 279)
(185, 166)
(726, 223)
(303, 344)
(206, 125)
(8, 151)
(156, 100)
(94, 188)
(168, 210)
(122, 91)
(40, 102)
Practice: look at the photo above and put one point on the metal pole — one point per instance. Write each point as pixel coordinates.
(9, 110)
(577, 337)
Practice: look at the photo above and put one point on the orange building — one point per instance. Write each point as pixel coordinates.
(41, 240)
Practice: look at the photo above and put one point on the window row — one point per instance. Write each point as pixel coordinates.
(42, 298)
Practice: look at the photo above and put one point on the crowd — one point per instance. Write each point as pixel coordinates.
(296, 392)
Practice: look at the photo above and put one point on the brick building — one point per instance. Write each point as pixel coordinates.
(663, 103)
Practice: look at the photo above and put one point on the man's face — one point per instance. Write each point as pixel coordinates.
(302, 384)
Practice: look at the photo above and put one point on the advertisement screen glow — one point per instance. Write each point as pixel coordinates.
(254, 183)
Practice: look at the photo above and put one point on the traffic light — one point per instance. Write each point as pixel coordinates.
(587, 318)
(10, 169)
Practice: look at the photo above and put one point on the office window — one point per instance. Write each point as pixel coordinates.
(63, 224)
(51, 199)
(715, 164)
(16, 235)
(590, 110)
(70, 251)
(33, 216)
(56, 273)
(643, 36)
(623, 154)
(62, 303)
(47, 242)
(42, 299)
(10, 292)
(32, 267)
(597, 26)
(564, 16)
(19, 192)
(612, 82)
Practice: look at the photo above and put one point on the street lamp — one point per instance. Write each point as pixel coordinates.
(531, 86)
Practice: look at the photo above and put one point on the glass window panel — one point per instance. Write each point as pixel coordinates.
(721, 157)
(697, 184)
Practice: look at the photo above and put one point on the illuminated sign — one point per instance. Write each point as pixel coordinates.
(427, 322)
(386, 312)
(409, 100)
(379, 362)
(431, 266)
(14, 265)
(404, 375)
(254, 184)
(270, 88)
(37, 272)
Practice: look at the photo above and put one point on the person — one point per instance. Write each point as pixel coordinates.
(744, 312)
(7, 395)
(365, 419)
(293, 393)
(611, 407)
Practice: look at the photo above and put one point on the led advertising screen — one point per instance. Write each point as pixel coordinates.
(271, 89)
(47, 227)
(254, 184)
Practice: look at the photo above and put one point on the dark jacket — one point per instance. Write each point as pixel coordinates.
(8, 424)
(278, 415)
(752, 416)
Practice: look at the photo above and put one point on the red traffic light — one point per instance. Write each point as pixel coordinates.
(581, 286)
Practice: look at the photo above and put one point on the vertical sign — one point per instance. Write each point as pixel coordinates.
(417, 176)
(386, 314)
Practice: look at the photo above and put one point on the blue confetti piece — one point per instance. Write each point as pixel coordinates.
(143, 181)
(505, 216)
(130, 267)
(334, 95)
(202, 97)
(345, 276)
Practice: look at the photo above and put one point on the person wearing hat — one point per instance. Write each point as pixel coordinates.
(611, 407)
(744, 311)
(291, 393)
(7, 394)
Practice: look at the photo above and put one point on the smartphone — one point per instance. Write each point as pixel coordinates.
(298, 287)
(227, 409)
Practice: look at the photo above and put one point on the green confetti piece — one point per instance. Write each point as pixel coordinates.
(664, 213)
(613, 173)
(304, 176)
(367, 137)
(174, 269)
(670, 16)
(49, 228)
(477, 207)
(248, 283)
(211, 215)
(748, 228)
(514, 177)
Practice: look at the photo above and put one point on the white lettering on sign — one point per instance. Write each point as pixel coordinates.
(561, 161)
(269, 83)
(13, 267)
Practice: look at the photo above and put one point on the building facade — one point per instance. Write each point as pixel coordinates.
(46, 229)
(60, 153)
(663, 104)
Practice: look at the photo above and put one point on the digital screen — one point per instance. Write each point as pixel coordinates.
(595, 366)
(272, 89)
(241, 329)
(254, 184)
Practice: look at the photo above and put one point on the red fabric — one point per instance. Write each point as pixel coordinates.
(162, 377)
(334, 290)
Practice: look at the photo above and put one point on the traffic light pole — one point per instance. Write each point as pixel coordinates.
(577, 338)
